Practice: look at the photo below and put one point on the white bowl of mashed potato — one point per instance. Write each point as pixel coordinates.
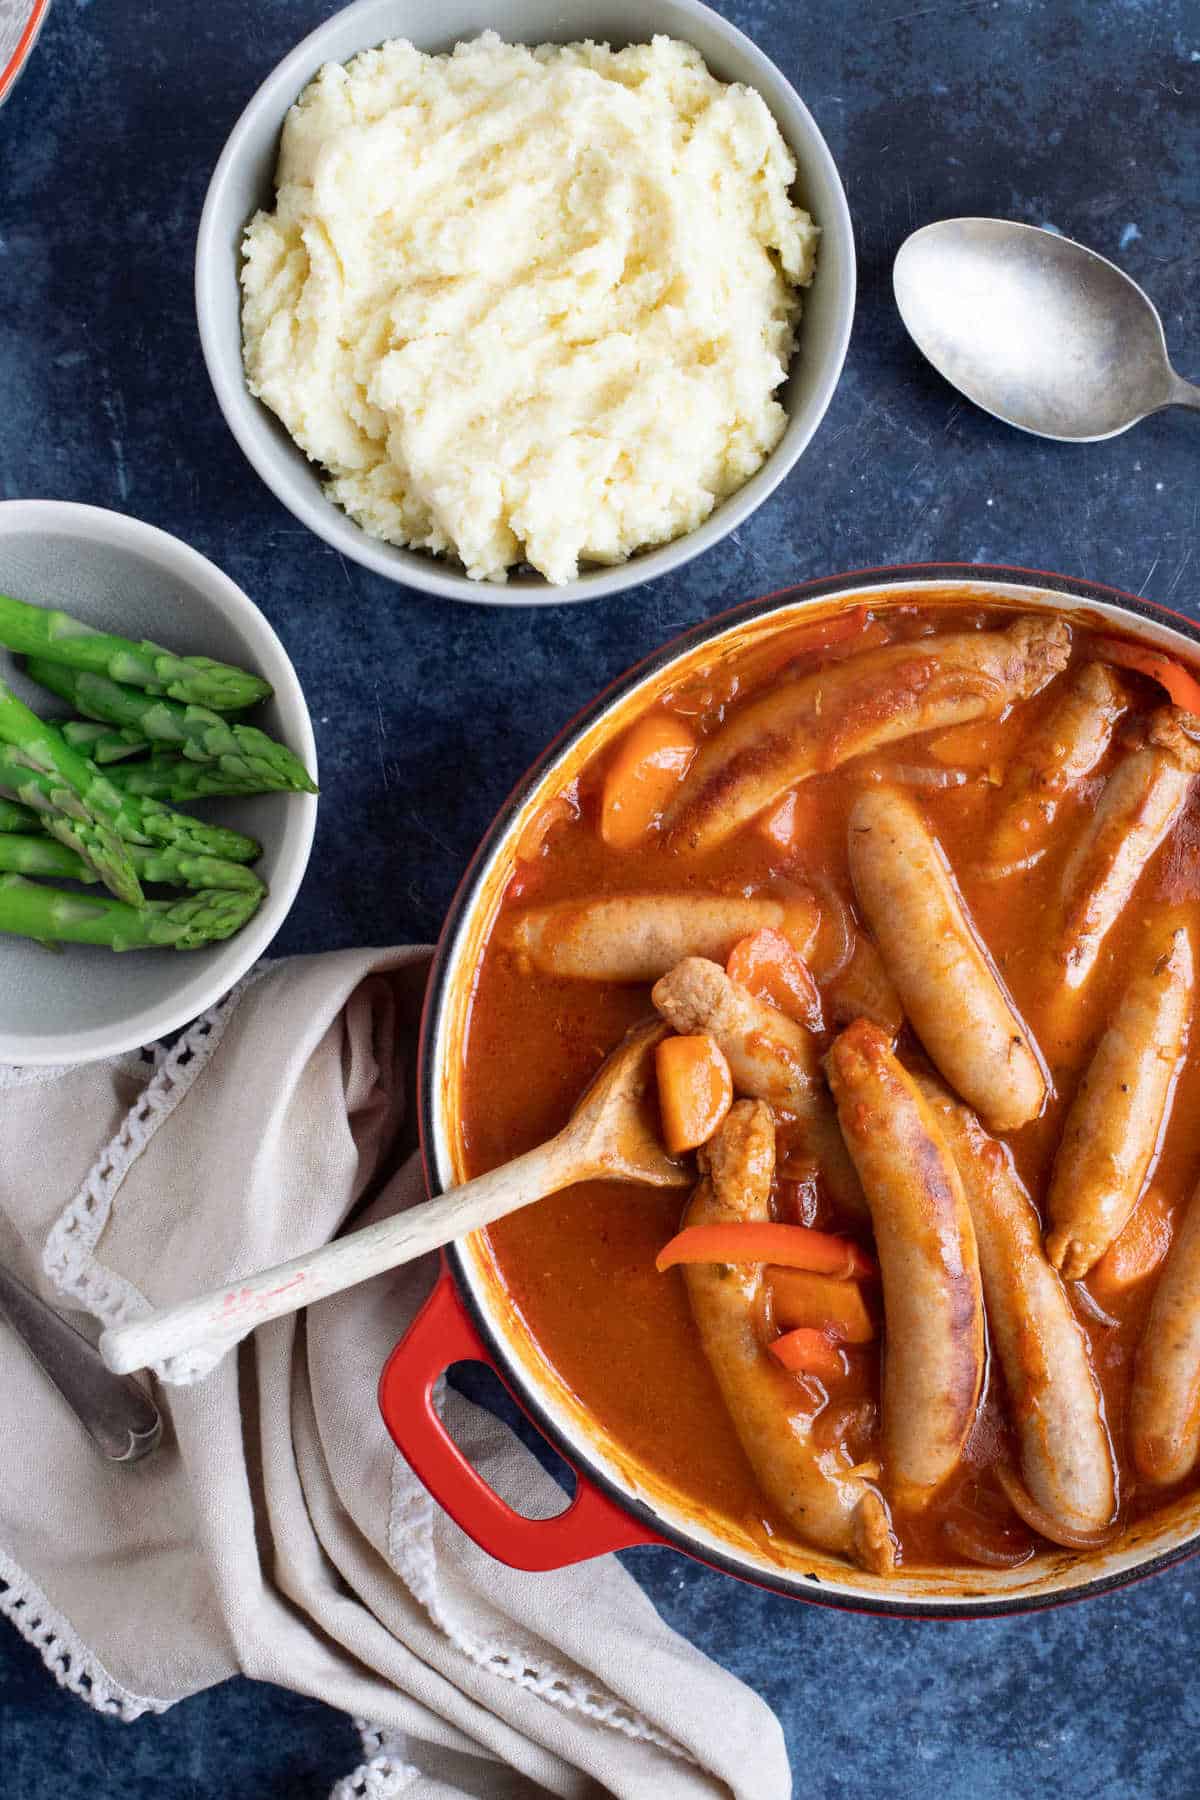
(529, 308)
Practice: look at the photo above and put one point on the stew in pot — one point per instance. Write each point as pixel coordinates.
(915, 890)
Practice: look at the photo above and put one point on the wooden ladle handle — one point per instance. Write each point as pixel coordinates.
(220, 1319)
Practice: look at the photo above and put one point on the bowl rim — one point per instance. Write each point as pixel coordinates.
(243, 413)
(238, 954)
(518, 1376)
(24, 47)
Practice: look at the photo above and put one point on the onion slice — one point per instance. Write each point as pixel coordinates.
(1091, 1306)
(916, 775)
(989, 1555)
(844, 929)
(1039, 1520)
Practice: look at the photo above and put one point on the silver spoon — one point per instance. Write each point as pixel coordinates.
(1036, 329)
(117, 1414)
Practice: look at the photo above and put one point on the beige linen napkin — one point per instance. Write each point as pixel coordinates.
(277, 1532)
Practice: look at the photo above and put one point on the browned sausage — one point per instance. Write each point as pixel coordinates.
(1065, 749)
(829, 1504)
(638, 937)
(933, 1357)
(1113, 1130)
(947, 984)
(1066, 1457)
(1141, 802)
(810, 726)
(1164, 1410)
(770, 1058)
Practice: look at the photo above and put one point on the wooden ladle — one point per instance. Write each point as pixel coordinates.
(611, 1136)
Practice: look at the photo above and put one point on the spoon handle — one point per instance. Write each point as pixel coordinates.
(1184, 393)
(120, 1419)
(218, 1320)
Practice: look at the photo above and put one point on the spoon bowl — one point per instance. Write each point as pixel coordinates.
(1035, 328)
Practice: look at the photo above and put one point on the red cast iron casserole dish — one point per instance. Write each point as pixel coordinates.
(618, 1502)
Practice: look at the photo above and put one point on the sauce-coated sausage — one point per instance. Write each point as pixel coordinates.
(770, 1057)
(638, 937)
(947, 984)
(1066, 748)
(810, 726)
(1164, 1412)
(829, 1504)
(933, 1360)
(1066, 1455)
(1113, 1130)
(1141, 802)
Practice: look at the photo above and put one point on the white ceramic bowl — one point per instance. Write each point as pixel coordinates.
(244, 181)
(121, 575)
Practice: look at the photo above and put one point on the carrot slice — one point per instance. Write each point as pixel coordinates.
(788, 1246)
(695, 1089)
(809, 1352)
(822, 1303)
(650, 762)
(1137, 1251)
(1183, 688)
(766, 964)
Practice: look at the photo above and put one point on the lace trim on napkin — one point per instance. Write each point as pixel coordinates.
(412, 1554)
(68, 1658)
(69, 1254)
(383, 1773)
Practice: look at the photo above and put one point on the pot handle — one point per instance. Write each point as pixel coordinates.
(443, 1333)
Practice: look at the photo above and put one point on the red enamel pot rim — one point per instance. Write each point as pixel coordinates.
(612, 1516)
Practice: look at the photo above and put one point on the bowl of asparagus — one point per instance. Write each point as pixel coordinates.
(157, 783)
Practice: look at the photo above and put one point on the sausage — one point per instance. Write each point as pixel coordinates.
(1065, 749)
(638, 937)
(1164, 1406)
(1066, 1456)
(810, 726)
(1114, 1128)
(1141, 802)
(946, 981)
(770, 1057)
(829, 1504)
(933, 1354)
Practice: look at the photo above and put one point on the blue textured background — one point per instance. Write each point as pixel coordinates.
(1079, 113)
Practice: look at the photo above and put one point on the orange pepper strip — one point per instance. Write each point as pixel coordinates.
(766, 964)
(809, 1352)
(1183, 688)
(790, 1246)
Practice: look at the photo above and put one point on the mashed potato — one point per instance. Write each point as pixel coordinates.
(528, 305)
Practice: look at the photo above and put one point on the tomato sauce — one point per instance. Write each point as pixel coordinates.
(580, 1265)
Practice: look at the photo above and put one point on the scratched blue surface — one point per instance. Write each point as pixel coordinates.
(1083, 114)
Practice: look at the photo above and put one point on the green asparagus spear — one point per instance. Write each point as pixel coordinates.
(146, 820)
(84, 808)
(240, 751)
(52, 916)
(14, 817)
(170, 778)
(39, 631)
(101, 742)
(40, 855)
